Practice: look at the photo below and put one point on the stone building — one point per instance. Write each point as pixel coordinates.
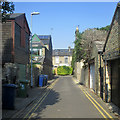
(62, 57)
(95, 67)
(111, 56)
(15, 43)
(90, 73)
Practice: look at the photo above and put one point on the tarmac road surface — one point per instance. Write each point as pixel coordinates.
(65, 99)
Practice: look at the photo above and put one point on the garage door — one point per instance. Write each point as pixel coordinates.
(115, 95)
(92, 76)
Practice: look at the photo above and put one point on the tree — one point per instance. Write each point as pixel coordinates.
(78, 52)
(83, 44)
(88, 37)
(7, 9)
(104, 28)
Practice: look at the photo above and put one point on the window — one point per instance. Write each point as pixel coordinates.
(40, 52)
(66, 59)
(57, 59)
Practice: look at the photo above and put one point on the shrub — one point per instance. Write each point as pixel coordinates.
(53, 71)
(64, 70)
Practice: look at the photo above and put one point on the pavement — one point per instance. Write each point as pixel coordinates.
(22, 103)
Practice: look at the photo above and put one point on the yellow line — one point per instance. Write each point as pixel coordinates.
(39, 104)
(95, 106)
(35, 105)
(95, 101)
(43, 97)
(99, 105)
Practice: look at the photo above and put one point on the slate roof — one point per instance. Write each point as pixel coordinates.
(62, 52)
(15, 15)
(45, 39)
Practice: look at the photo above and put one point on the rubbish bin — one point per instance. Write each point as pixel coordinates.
(8, 96)
(46, 79)
(22, 91)
(41, 80)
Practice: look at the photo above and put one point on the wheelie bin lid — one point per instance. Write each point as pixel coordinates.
(9, 85)
(41, 75)
(24, 81)
(46, 75)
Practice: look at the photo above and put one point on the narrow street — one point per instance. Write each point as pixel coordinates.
(65, 99)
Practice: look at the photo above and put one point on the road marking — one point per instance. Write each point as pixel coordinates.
(39, 104)
(95, 106)
(100, 106)
(35, 105)
(41, 99)
(89, 96)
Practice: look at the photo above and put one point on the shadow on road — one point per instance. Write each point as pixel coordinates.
(52, 98)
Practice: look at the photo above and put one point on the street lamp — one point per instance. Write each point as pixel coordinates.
(33, 13)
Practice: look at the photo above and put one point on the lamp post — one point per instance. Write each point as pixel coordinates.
(33, 13)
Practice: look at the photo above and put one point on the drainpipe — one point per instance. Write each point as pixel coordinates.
(105, 82)
(100, 77)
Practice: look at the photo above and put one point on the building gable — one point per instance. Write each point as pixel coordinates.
(112, 48)
(35, 38)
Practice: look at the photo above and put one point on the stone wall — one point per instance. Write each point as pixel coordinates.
(81, 73)
(113, 47)
(86, 76)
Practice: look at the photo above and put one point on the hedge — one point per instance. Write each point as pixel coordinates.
(64, 70)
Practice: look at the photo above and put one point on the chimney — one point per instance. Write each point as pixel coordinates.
(69, 48)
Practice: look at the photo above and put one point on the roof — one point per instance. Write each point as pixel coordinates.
(45, 39)
(15, 15)
(118, 6)
(62, 52)
(99, 45)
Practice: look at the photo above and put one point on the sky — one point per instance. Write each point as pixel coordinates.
(60, 19)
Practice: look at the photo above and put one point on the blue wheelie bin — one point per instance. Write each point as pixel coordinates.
(8, 96)
(41, 80)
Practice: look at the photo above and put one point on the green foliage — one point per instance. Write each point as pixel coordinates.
(73, 59)
(7, 8)
(78, 52)
(104, 28)
(78, 49)
(34, 65)
(64, 70)
(53, 72)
